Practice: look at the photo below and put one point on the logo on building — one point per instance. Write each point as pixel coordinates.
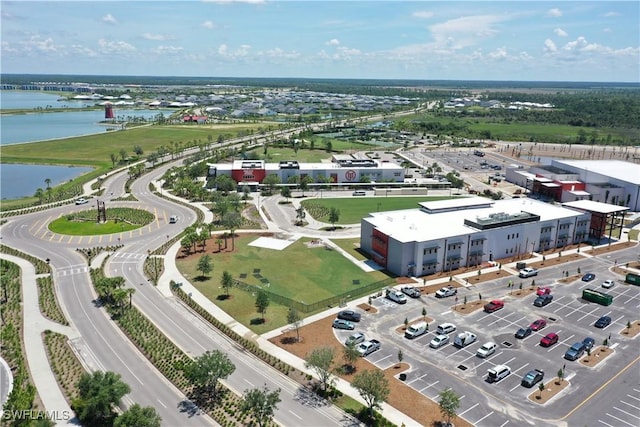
(350, 175)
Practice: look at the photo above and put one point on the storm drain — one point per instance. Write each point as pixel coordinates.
(507, 343)
(462, 367)
(553, 319)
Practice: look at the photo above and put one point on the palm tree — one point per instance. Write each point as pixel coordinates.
(39, 194)
(48, 182)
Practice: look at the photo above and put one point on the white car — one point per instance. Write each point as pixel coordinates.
(446, 292)
(438, 341)
(397, 296)
(487, 349)
(528, 272)
(607, 284)
(445, 328)
(81, 201)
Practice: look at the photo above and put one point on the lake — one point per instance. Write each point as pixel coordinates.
(18, 181)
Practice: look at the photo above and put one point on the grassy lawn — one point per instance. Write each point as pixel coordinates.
(352, 210)
(351, 247)
(325, 273)
(73, 228)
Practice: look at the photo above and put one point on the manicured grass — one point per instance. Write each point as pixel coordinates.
(63, 226)
(352, 210)
(297, 272)
(351, 247)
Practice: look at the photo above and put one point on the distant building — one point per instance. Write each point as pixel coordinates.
(448, 234)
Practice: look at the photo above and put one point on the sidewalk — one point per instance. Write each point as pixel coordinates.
(34, 325)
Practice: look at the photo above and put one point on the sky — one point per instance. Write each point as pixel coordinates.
(596, 41)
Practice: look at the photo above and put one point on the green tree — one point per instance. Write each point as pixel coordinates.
(260, 403)
(232, 220)
(204, 265)
(373, 387)
(224, 183)
(262, 302)
(271, 181)
(98, 394)
(40, 195)
(350, 355)
(285, 192)
(334, 216)
(138, 416)
(123, 154)
(304, 183)
(449, 403)
(321, 361)
(207, 369)
(541, 388)
(227, 281)
(293, 318)
(114, 159)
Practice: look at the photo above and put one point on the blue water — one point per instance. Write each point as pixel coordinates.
(23, 180)
(29, 99)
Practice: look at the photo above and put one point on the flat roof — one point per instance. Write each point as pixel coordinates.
(617, 169)
(458, 203)
(419, 225)
(592, 206)
(580, 193)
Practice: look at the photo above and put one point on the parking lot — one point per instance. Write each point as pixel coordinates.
(506, 401)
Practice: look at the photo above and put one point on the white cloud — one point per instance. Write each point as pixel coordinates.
(115, 47)
(243, 50)
(109, 19)
(422, 14)
(156, 37)
(607, 30)
(554, 13)
(610, 14)
(499, 53)
(167, 50)
(333, 42)
(280, 53)
(209, 25)
(77, 50)
(550, 46)
(560, 32)
(464, 32)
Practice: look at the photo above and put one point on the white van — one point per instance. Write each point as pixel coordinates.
(173, 219)
(498, 372)
(487, 349)
(417, 329)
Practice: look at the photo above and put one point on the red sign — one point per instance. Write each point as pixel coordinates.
(350, 175)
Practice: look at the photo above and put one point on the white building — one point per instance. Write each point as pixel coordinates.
(448, 234)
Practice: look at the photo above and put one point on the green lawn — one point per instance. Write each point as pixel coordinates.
(297, 272)
(352, 210)
(350, 246)
(73, 228)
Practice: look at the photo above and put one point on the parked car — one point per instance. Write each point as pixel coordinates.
(81, 201)
(575, 351)
(543, 300)
(523, 333)
(603, 322)
(465, 338)
(543, 290)
(538, 324)
(397, 296)
(445, 328)
(494, 305)
(355, 339)
(359, 193)
(487, 349)
(608, 284)
(588, 343)
(446, 292)
(497, 373)
(417, 329)
(343, 324)
(532, 378)
(368, 347)
(588, 277)
(349, 315)
(411, 291)
(549, 339)
(439, 340)
(528, 272)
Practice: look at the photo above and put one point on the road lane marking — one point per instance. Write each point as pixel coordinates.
(462, 413)
(295, 415)
(488, 415)
(249, 382)
(160, 402)
(505, 423)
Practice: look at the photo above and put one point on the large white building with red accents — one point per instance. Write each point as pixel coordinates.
(341, 170)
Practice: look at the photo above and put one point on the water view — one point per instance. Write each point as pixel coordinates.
(18, 181)
(29, 99)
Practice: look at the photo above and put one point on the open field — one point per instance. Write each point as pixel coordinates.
(325, 273)
(352, 210)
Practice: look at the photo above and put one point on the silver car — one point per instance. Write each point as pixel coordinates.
(439, 340)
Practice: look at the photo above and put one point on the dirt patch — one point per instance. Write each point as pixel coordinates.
(551, 389)
(597, 355)
(570, 279)
(632, 331)
(469, 307)
(485, 277)
(405, 281)
(521, 293)
(611, 248)
(368, 308)
(556, 260)
(401, 396)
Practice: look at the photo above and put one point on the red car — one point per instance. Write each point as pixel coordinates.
(494, 305)
(543, 290)
(549, 340)
(538, 324)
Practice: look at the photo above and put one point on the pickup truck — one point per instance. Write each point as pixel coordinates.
(494, 305)
(464, 339)
(368, 347)
(446, 292)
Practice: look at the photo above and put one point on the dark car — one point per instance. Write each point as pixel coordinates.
(523, 333)
(411, 291)
(549, 340)
(543, 300)
(538, 324)
(532, 378)
(588, 343)
(588, 277)
(350, 315)
(575, 351)
(603, 322)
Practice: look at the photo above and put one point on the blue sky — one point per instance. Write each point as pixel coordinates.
(478, 40)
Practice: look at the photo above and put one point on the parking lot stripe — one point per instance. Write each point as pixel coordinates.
(430, 385)
(625, 412)
(607, 424)
(526, 364)
(417, 379)
(627, 403)
(462, 413)
(505, 423)
(588, 314)
(488, 415)
(621, 420)
(633, 397)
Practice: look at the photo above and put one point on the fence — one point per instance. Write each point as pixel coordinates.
(327, 302)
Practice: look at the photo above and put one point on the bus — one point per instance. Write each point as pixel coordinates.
(597, 296)
(632, 278)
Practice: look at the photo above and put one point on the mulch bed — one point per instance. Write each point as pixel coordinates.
(598, 354)
(633, 331)
(551, 389)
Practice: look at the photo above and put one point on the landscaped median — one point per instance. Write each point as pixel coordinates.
(549, 390)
